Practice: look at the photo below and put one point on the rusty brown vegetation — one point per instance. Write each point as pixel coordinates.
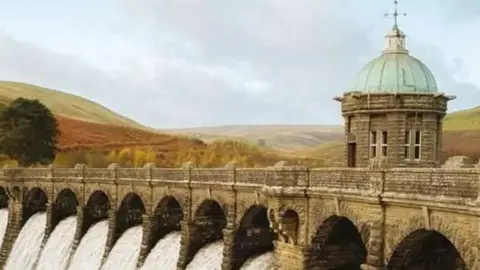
(98, 145)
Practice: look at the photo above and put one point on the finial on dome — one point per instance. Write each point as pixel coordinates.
(395, 39)
(395, 15)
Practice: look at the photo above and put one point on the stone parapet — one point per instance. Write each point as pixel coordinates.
(459, 183)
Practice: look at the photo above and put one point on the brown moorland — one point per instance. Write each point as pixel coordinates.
(96, 143)
(78, 134)
(455, 143)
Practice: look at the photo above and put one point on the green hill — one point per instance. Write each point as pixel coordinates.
(65, 104)
(468, 119)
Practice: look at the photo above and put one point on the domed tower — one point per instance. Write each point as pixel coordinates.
(394, 110)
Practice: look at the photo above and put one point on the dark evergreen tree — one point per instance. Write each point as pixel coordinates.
(28, 132)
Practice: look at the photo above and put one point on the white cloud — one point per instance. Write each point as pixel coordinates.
(191, 63)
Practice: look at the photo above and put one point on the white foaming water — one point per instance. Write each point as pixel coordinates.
(90, 250)
(3, 223)
(27, 246)
(124, 253)
(165, 253)
(55, 253)
(264, 261)
(208, 258)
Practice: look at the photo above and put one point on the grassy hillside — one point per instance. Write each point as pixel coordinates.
(64, 104)
(87, 126)
(463, 120)
(288, 138)
(98, 145)
(97, 136)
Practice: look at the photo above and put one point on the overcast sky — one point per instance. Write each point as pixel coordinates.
(185, 63)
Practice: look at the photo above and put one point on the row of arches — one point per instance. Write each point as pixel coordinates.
(336, 244)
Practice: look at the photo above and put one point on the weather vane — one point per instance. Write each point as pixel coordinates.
(395, 14)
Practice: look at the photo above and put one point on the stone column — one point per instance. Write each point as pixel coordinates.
(13, 229)
(186, 244)
(48, 229)
(429, 153)
(228, 244)
(396, 126)
(78, 232)
(290, 256)
(362, 133)
(147, 245)
(50, 222)
(375, 260)
(112, 226)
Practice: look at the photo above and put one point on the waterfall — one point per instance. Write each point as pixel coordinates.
(208, 258)
(27, 246)
(165, 253)
(90, 250)
(3, 223)
(124, 253)
(264, 261)
(57, 249)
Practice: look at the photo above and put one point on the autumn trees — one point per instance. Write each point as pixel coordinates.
(28, 132)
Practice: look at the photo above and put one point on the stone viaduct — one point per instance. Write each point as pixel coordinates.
(332, 218)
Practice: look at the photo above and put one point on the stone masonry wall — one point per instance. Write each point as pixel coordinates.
(395, 114)
(300, 204)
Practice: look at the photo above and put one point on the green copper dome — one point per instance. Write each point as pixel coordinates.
(395, 71)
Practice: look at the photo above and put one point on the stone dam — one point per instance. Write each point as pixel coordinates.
(232, 218)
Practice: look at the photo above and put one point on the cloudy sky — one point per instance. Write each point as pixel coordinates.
(185, 63)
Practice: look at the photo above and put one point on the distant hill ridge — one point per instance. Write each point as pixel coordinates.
(64, 104)
(309, 140)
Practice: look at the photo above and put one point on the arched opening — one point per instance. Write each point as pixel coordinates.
(209, 220)
(96, 209)
(65, 205)
(168, 215)
(129, 213)
(338, 245)
(35, 201)
(254, 235)
(289, 221)
(3, 198)
(426, 250)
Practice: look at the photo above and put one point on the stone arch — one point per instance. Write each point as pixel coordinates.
(167, 216)
(337, 244)
(209, 221)
(3, 198)
(426, 249)
(253, 236)
(129, 213)
(65, 205)
(96, 209)
(363, 225)
(34, 201)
